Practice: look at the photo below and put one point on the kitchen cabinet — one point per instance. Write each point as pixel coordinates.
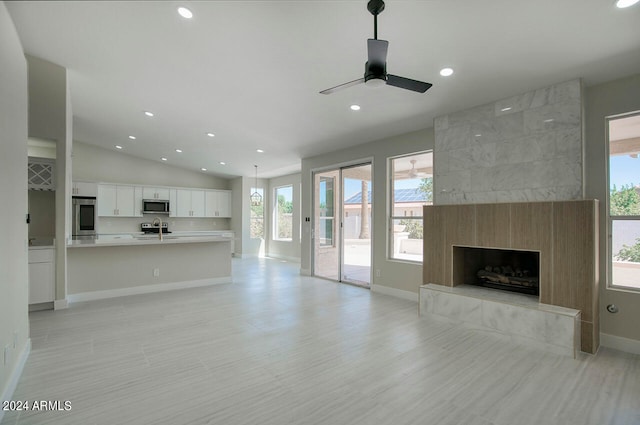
(119, 201)
(218, 203)
(189, 203)
(84, 189)
(149, 192)
(42, 271)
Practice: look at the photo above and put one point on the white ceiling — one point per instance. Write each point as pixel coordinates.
(250, 71)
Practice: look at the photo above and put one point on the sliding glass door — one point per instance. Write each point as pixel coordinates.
(342, 224)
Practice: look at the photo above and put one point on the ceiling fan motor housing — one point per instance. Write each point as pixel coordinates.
(375, 74)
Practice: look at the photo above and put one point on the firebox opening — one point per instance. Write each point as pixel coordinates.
(504, 269)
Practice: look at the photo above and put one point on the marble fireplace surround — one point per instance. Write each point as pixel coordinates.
(564, 232)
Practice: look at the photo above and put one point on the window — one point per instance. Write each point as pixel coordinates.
(257, 217)
(327, 211)
(624, 201)
(411, 189)
(283, 213)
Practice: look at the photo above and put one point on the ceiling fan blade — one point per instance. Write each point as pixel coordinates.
(377, 52)
(407, 83)
(343, 86)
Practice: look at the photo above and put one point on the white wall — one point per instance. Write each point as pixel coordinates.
(395, 275)
(93, 163)
(50, 118)
(13, 208)
(604, 100)
(289, 250)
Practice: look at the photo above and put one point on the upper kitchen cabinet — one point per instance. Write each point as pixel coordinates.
(119, 201)
(189, 203)
(155, 193)
(218, 203)
(84, 189)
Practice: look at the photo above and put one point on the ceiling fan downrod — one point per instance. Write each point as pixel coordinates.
(375, 7)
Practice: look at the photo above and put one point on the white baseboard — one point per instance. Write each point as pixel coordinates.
(398, 293)
(15, 375)
(60, 304)
(305, 272)
(146, 289)
(620, 343)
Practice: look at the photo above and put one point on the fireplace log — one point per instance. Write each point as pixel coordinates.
(508, 280)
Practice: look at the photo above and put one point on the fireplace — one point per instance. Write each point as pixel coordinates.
(503, 269)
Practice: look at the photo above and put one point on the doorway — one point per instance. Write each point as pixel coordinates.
(342, 236)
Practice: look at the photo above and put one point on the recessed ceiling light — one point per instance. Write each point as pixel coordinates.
(211, 135)
(355, 107)
(222, 163)
(132, 137)
(185, 13)
(163, 158)
(625, 3)
(478, 135)
(506, 109)
(118, 147)
(179, 150)
(259, 151)
(549, 120)
(203, 169)
(149, 114)
(445, 72)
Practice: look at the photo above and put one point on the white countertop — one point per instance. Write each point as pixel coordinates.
(139, 238)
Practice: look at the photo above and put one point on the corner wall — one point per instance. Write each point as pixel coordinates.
(14, 320)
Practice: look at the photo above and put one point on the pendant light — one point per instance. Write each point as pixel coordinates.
(256, 198)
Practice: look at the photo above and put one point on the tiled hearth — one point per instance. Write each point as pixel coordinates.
(520, 317)
(563, 232)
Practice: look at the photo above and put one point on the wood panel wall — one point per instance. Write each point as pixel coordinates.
(565, 233)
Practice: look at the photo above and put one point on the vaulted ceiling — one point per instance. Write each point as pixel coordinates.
(250, 71)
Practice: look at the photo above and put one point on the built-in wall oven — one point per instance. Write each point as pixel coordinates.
(84, 217)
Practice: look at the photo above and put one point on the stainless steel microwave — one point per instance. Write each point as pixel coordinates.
(155, 206)
(84, 217)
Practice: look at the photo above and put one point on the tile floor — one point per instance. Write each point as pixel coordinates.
(278, 348)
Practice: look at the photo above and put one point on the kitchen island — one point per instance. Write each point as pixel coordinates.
(127, 264)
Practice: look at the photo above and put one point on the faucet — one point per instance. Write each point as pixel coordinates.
(158, 220)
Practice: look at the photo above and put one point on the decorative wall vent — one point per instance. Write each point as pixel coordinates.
(41, 174)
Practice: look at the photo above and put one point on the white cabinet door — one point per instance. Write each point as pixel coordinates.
(183, 203)
(84, 189)
(218, 203)
(224, 203)
(107, 200)
(173, 203)
(211, 203)
(41, 275)
(125, 196)
(149, 192)
(137, 201)
(197, 203)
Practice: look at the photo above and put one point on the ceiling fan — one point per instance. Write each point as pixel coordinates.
(413, 173)
(375, 69)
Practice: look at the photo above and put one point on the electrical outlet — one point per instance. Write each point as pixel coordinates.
(377, 272)
(156, 272)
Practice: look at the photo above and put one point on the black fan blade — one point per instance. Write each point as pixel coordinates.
(407, 83)
(377, 50)
(343, 86)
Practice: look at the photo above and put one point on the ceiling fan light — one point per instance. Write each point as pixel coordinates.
(375, 82)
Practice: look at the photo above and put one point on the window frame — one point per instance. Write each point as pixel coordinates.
(391, 217)
(276, 215)
(610, 218)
